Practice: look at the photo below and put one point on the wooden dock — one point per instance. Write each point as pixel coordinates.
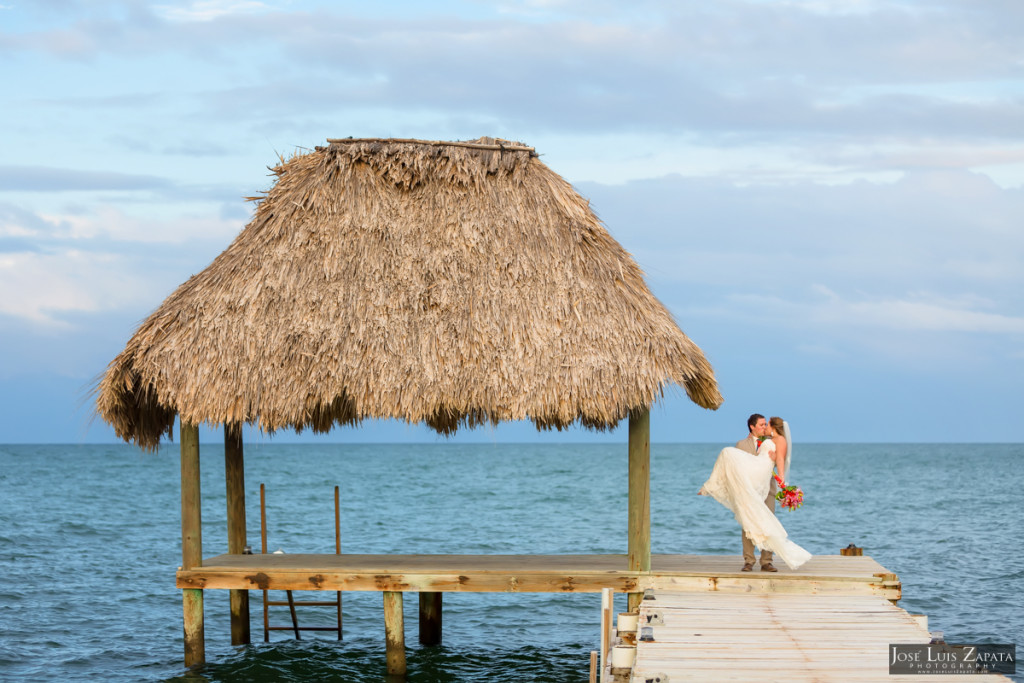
(763, 635)
(831, 620)
(828, 574)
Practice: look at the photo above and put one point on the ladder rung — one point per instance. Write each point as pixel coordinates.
(303, 628)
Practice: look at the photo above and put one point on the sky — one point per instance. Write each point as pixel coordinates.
(826, 194)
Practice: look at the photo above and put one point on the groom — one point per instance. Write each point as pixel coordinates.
(759, 431)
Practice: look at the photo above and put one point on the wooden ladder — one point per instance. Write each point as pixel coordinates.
(291, 602)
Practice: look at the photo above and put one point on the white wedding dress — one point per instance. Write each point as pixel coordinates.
(740, 481)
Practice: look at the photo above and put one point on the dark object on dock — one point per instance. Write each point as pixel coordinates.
(851, 551)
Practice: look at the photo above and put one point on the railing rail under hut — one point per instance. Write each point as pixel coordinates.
(448, 283)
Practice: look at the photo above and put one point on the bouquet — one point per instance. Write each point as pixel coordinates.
(790, 497)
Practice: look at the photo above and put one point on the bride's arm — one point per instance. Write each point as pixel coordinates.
(780, 456)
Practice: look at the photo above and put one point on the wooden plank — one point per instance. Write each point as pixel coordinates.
(698, 565)
(325, 580)
(743, 585)
(510, 573)
(430, 563)
(717, 636)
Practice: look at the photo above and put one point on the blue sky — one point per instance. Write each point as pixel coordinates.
(827, 194)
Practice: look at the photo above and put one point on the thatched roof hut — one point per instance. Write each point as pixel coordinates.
(451, 283)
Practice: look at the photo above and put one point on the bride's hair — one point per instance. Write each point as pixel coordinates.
(777, 425)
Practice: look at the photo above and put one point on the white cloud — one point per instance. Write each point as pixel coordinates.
(820, 308)
(41, 287)
(922, 270)
(48, 179)
(922, 312)
(729, 67)
(208, 10)
(54, 265)
(834, 6)
(914, 332)
(110, 222)
(8, 229)
(813, 142)
(754, 90)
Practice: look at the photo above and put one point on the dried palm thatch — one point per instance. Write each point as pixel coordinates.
(454, 284)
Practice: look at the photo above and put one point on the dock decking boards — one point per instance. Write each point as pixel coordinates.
(769, 636)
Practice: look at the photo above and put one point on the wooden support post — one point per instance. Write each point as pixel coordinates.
(607, 605)
(191, 544)
(639, 496)
(195, 640)
(295, 617)
(234, 477)
(394, 632)
(430, 618)
(337, 546)
(263, 550)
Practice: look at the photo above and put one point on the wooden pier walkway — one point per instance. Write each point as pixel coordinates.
(826, 574)
(721, 637)
(831, 620)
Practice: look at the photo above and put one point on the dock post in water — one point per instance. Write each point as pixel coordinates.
(394, 632)
(430, 618)
(607, 605)
(263, 551)
(337, 545)
(191, 544)
(639, 496)
(195, 637)
(234, 477)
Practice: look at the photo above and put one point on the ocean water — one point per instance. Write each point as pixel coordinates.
(90, 540)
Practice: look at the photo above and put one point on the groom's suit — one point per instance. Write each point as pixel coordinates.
(749, 445)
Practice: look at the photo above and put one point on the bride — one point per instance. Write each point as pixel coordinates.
(740, 481)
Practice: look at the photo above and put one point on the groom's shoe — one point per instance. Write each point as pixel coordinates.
(768, 567)
(748, 567)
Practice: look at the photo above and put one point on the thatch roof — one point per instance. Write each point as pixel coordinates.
(448, 283)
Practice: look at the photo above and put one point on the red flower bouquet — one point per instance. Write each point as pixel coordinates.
(790, 497)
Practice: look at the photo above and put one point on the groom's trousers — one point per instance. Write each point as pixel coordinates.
(748, 545)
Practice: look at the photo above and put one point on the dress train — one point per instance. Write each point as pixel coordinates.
(740, 481)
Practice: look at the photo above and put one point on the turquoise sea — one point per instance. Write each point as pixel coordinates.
(90, 540)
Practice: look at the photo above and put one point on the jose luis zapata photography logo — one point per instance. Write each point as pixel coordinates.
(951, 658)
